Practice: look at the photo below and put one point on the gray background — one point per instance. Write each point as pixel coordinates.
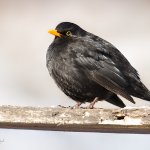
(24, 79)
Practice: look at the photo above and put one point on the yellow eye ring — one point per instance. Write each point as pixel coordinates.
(68, 33)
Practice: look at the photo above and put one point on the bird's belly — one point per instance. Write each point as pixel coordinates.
(75, 84)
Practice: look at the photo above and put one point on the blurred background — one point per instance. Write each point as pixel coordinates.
(24, 79)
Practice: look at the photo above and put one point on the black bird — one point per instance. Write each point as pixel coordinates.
(88, 69)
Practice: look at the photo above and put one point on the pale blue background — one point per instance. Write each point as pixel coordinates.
(24, 79)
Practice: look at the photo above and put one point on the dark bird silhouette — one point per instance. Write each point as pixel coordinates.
(88, 69)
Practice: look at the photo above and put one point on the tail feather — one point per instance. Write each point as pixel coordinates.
(144, 96)
(115, 100)
(140, 91)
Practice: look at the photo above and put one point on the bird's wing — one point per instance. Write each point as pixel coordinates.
(100, 68)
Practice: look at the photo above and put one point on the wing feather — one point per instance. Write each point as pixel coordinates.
(102, 70)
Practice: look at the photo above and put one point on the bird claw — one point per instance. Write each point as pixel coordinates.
(61, 106)
(91, 106)
(77, 106)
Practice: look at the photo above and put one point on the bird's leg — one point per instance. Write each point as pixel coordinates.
(91, 106)
(77, 105)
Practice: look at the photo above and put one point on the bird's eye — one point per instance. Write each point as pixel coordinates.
(68, 33)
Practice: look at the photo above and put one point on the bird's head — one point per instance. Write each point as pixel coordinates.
(67, 30)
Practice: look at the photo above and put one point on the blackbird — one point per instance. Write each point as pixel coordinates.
(88, 69)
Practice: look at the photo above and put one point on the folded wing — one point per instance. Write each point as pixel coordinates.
(100, 68)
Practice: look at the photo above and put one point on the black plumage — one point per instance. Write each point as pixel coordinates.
(87, 68)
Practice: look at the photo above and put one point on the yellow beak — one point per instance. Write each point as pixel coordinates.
(54, 32)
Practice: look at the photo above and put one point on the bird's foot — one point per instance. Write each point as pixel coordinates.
(91, 106)
(72, 107)
(61, 106)
(77, 106)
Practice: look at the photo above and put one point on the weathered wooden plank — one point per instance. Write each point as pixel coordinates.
(127, 120)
